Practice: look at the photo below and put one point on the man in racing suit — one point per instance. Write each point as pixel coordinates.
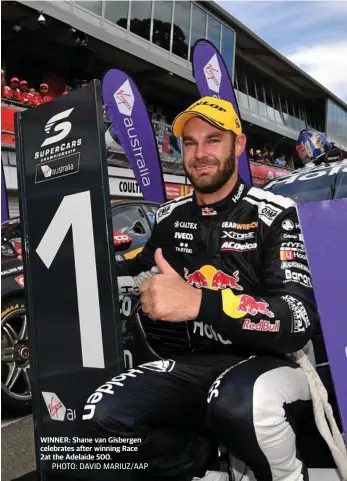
(232, 299)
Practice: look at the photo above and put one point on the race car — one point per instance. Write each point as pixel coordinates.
(132, 224)
(313, 183)
(327, 181)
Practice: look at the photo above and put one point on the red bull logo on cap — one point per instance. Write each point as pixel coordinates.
(211, 278)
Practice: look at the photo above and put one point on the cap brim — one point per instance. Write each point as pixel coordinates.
(181, 119)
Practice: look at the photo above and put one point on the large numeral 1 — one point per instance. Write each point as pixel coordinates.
(75, 210)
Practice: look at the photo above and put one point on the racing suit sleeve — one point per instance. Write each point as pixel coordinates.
(280, 318)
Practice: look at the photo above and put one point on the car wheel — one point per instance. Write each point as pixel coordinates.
(15, 366)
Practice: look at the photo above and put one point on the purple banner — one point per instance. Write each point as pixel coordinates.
(128, 114)
(324, 227)
(4, 204)
(212, 79)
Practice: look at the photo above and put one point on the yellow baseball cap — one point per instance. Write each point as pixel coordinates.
(216, 111)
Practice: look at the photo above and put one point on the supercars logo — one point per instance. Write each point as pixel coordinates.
(213, 74)
(211, 278)
(63, 127)
(124, 98)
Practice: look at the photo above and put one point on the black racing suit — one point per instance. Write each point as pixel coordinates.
(246, 252)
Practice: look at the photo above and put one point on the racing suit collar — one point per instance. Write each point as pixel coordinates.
(233, 198)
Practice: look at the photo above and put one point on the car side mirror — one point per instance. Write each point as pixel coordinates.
(121, 241)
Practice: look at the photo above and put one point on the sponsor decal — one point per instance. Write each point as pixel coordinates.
(63, 128)
(213, 391)
(294, 265)
(131, 123)
(237, 235)
(269, 213)
(54, 405)
(213, 106)
(237, 306)
(293, 236)
(56, 409)
(184, 235)
(107, 388)
(261, 325)
(206, 330)
(11, 271)
(166, 365)
(184, 248)
(20, 280)
(234, 225)
(300, 320)
(213, 74)
(208, 211)
(166, 209)
(62, 150)
(237, 196)
(237, 247)
(291, 255)
(310, 175)
(251, 306)
(11, 308)
(211, 278)
(185, 225)
(119, 238)
(298, 277)
(287, 225)
(295, 246)
(57, 168)
(124, 98)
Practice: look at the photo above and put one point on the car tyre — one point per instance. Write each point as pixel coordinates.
(15, 366)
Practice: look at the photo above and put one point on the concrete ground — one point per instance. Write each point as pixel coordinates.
(17, 448)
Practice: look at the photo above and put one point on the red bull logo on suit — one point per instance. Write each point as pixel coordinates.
(261, 326)
(211, 278)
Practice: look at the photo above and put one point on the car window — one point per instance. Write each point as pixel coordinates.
(151, 209)
(130, 219)
(341, 186)
(301, 191)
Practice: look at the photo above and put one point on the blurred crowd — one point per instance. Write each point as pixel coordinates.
(21, 92)
(267, 157)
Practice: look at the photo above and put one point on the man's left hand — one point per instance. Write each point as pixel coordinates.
(167, 296)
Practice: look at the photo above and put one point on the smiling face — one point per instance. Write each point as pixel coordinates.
(209, 155)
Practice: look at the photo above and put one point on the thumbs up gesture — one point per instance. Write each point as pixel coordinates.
(167, 296)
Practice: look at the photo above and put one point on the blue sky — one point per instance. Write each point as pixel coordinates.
(312, 34)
